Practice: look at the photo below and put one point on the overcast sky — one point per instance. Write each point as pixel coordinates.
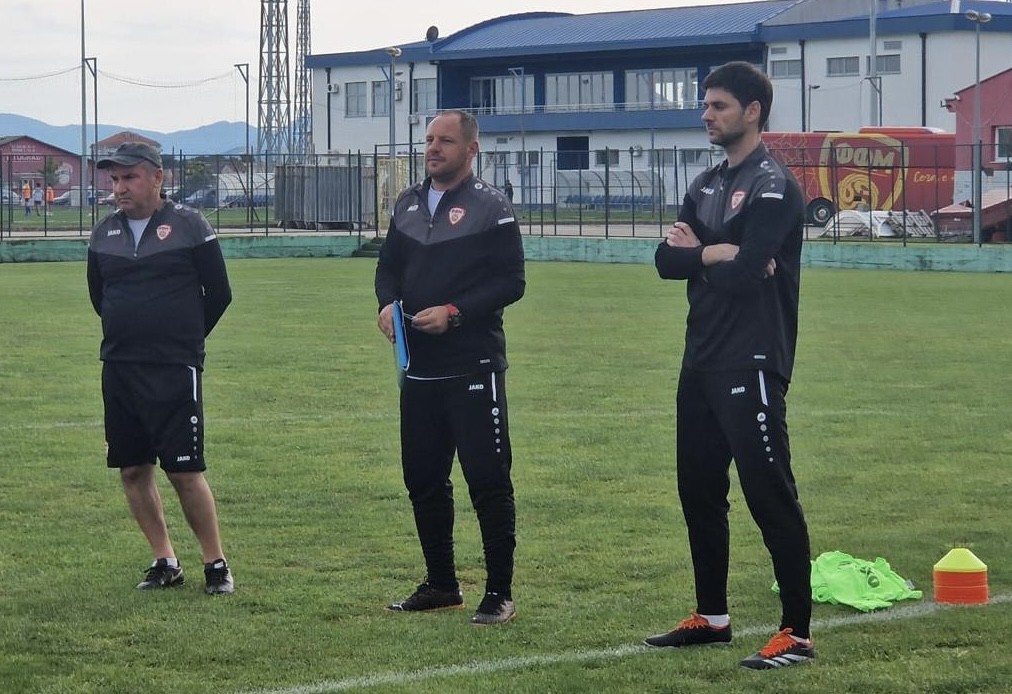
(187, 49)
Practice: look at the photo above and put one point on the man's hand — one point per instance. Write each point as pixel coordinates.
(385, 322)
(771, 268)
(719, 252)
(681, 235)
(434, 320)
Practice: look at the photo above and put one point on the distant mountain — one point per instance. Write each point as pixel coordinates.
(217, 138)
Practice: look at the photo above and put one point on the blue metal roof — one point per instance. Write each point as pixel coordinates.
(927, 18)
(541, 33)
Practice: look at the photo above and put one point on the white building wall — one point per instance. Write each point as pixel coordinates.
(370, 131)
(840, 102)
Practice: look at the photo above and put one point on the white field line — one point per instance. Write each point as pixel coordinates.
(487, 667)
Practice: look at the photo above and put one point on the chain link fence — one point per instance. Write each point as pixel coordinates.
(626, 192)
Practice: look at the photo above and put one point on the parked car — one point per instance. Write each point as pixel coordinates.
(63, 199)
(204, 197)
(106, 198)
(258, 199)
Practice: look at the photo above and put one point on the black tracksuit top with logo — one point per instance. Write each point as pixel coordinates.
(738, 318)
(467, 252)
(159, 301)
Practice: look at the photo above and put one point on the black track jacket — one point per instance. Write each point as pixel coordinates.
(738, 319)
(160, 301)
(467, 252)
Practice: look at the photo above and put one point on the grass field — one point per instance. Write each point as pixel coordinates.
(902, 448)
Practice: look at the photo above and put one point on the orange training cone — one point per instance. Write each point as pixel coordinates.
(960, 578)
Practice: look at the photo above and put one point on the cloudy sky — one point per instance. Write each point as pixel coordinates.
(168, 65)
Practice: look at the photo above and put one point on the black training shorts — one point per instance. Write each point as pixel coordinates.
(153, 410)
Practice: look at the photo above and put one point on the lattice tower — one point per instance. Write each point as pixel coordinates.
(274, 120)
(302, 123)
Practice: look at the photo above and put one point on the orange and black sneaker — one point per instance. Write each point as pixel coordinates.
(781, 651)
(693, 631)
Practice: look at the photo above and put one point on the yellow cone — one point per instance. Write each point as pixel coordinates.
(960, 578)
(960, 559)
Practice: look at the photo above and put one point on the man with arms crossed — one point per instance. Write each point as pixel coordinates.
(453, 255)
(738, 244)
(157, 278)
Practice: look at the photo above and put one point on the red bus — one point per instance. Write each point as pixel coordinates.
(884, 168)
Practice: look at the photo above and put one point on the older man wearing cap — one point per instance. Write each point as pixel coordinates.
(157, 279)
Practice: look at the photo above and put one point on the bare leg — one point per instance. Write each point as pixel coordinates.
(146, 506)
(198, 506)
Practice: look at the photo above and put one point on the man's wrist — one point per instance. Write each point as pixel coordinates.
(453, 315)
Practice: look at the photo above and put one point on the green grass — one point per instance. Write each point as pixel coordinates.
(899, 415)
(63, 219)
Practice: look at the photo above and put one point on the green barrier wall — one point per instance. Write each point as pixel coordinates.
(892, 256)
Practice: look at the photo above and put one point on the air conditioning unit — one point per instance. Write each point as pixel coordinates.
(636, 151)
(334, 88)
(413, 119)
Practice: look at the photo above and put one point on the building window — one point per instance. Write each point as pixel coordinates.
(606, 157)
(884, 64)
(892, 45)
(1003, 143)
(495, 95)
(840, 67)
(662, 157)
(694, 157)
(355, 100)
(582, 91)
(423, 98)
(785, 68)
(381, 98)
(533, 158)
(778, 50)
(661, 89)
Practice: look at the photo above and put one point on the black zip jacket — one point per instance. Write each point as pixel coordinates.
(467, 252)
(159, 301)
(738, 318)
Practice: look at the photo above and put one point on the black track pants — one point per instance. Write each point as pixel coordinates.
(466, 415)
(741, 415)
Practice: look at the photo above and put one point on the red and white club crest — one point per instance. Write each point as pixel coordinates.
(457, 214)
(736, 198)
(163, 231)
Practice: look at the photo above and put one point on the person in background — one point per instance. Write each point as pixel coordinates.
(50, 197)
(737, 244)
(38, 197)
(26, 196)
(157, 279)
(454, 257)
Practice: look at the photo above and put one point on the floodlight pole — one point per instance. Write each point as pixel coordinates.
(394, 52)
(92, 65)
(977, 18)
(243, 69)
(518, 74)
(811, 88)
(84, 118)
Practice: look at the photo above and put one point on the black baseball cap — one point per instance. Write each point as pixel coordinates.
(131, 154)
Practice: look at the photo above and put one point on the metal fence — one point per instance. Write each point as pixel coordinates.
(630, 192)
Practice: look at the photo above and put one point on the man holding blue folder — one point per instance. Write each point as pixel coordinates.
(454, 260)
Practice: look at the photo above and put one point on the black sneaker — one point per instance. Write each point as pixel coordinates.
(693, 631)
(217, 578)
(161, 575)
(494, 609)
(781, 651)
(427, 598)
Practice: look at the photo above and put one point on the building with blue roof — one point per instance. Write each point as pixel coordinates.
(622, 89)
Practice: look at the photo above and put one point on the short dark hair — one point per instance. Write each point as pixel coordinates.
(746, 83)
(468, 123)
